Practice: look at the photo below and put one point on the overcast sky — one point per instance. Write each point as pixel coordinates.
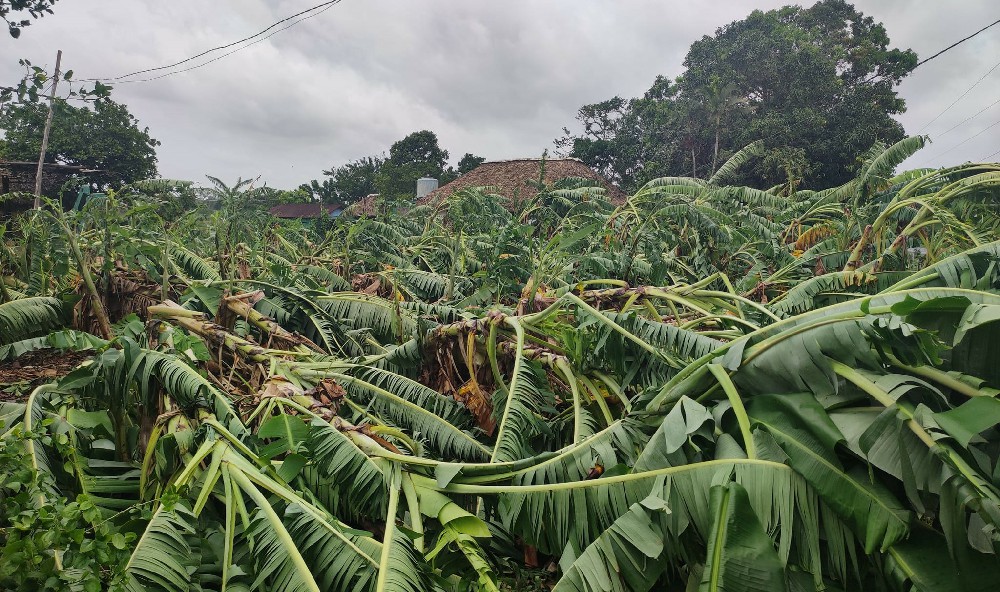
(499, 79)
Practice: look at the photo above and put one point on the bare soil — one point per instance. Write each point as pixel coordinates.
(20, 375)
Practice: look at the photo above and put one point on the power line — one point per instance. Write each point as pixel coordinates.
(962, 96)
(324, 6)
(955, 44)
(225, 55)
(972, 137)
(970, 118)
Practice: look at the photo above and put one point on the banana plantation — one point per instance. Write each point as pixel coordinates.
(703, 387)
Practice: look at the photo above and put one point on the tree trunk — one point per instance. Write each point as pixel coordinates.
(715, 153)
(45, 137)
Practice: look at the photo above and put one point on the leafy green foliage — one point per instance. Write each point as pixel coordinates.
(103, 136)
(34, 8)
(705, 386)
(800, 80)
(354, 180)
(469, 162)
(50, 542)
(415, 156)
(325, 192)
(28, 317)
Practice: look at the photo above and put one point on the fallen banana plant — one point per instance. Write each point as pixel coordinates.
(831, 447)
(670, 393)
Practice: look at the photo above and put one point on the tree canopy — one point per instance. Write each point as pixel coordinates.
(415, 156)
(34, 8)
(354, 180)
(468, 162)
(395, 176)
(816, 85)
(325, 192)
(103, 136)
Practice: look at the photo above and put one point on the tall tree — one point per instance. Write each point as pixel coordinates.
(607, 137)
(415, 156)
(819, 79)
(816, 84)
(356, 179)
(631, 140)
(468, 162)
(325, 192)
(104, 136)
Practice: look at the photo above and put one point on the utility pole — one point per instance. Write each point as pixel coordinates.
(45, 135)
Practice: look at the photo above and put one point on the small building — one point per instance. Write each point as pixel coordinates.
(306, 211)
(18, 177)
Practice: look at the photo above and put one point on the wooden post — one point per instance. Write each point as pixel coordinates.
(45, 135)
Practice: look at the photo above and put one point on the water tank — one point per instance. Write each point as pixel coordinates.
(425, 185)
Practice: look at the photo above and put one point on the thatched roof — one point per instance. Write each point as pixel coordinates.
(306, 210)
(366, 206)
(511, 178)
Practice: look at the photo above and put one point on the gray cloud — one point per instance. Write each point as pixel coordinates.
(496, 78)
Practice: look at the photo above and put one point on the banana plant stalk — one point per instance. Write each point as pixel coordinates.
(96, 303)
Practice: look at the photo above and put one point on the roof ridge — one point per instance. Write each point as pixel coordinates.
(304, 210)
(533, 159)
(47, 165)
